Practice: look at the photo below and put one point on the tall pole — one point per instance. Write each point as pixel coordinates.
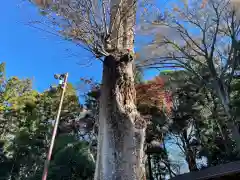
(47, 161)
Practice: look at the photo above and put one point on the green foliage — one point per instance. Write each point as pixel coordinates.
(138, 78)
(25, 131)
(72, 162)
(2, 73)
(199, 107)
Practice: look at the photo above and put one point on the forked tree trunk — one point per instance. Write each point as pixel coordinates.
(121, 129)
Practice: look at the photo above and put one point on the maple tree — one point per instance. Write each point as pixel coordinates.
(152, 94)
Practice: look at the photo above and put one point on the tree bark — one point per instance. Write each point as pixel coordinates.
(121, 129)
(220, 124)
(189, 152)
(192, 164)
(150, 167)
(232, 126)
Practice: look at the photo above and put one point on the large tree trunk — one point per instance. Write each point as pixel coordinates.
(121, 129)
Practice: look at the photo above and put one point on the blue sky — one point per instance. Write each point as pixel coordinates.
(32, 53)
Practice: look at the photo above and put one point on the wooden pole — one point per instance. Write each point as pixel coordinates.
(47, 161)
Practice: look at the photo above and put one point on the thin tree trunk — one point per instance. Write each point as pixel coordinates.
(150, 167)
(223, 131)
(192, 164)
(121, 129)
(224, 97)
(189, 152)
(168, 164)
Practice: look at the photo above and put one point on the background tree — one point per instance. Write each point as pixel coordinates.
(198, 128)
(27, 117)
(212, 47)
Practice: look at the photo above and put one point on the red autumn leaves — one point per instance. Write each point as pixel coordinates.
(153, 94)
(43, 3)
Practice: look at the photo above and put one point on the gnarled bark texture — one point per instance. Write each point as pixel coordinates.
(121, 129)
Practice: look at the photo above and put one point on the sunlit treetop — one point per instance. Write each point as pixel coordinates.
(99, 26)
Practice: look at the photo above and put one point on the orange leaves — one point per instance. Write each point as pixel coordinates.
(86, 81)
(176, 9)
(137, 55)
(202, 5)
(151, 93)
(43, 3)
(88, 84)
(39, 2)
(168, 102)
(75, 32)
(204, 2)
